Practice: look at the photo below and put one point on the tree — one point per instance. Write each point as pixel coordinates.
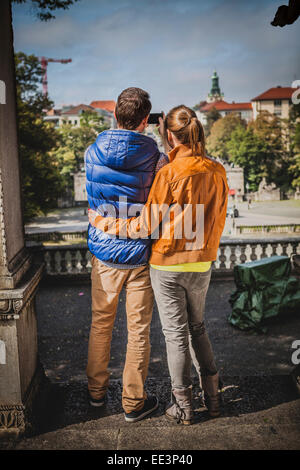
(44, 8)
(212, 116)
(220, 134)
(269, 127)
(294, 113)
(41, 180)
(275, 134)
(250, 152)
(294, 134)
(73, 141)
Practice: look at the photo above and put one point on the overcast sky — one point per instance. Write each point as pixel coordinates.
(169, 48)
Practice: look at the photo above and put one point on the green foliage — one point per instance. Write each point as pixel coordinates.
(44, 8)
(41, 180)
(294, 113)
(251, 152)
(212, 116)
(220, 134)
(267, 147)
(73, 141)
(268, 127)
(273, 131)
(29, 75)
(261, 149)
(295, 150)
(293, 125)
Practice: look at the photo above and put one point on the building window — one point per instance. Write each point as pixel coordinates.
(277, 102)
(75, 122)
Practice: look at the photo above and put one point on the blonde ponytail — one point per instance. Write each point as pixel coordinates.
(183, 123)
(194, 135)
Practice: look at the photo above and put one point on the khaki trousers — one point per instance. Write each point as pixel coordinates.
(107, 284)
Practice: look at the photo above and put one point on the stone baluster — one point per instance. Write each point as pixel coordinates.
(222, 258)
(73, 261)
(63, 261)
(83, 252)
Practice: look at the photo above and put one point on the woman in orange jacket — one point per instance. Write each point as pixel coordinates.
(185, 215)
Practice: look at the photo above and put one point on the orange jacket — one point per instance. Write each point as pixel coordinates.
(185, 212)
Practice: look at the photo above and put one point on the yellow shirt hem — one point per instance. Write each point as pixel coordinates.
(199, 267)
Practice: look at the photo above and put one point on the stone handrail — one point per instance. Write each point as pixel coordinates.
(261, 229)
(65, 261)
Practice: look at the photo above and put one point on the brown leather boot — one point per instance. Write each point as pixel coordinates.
(210, 384)
(181, 407)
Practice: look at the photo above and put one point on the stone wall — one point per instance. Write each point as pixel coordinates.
(79, 187)
(235, 179)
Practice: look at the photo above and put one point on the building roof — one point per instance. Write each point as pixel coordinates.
(107, 105)
(224, 106)
(276, 93)
(77, 109)
(53, 112)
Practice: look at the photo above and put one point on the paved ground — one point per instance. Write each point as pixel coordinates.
(261, 213)
(261, 406)
(64, 318)
(264, 213)
(60, 220)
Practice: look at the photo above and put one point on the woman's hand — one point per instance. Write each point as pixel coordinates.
(92, 216)
(161, 125)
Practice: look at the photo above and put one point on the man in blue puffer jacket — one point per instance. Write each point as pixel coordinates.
(120, 168)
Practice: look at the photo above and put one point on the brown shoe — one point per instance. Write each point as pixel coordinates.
(210, 384)
(181, 407)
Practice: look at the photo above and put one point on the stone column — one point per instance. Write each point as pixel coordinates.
(19, 278)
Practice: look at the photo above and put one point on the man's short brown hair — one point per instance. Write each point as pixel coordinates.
(132, 107)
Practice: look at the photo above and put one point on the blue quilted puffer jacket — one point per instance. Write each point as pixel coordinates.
(120, 164)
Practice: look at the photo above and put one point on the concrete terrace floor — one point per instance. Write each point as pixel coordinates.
(261, 406)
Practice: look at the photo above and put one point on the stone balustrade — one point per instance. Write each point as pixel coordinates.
(261, 229)
(69, 260)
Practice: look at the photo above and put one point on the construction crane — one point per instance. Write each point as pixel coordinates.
(44, 63)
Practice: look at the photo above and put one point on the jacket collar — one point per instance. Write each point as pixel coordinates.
(181, 151)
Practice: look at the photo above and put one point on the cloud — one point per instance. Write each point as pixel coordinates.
(169, 48)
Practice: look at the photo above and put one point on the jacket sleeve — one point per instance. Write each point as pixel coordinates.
(152, 214)
(223, 199)
(162, 161)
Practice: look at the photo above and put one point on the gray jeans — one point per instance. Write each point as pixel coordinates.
(180, 298)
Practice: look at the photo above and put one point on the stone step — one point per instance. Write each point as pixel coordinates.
(259, 412)
(275, 428)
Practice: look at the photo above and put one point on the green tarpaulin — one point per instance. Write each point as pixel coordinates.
(265, 289)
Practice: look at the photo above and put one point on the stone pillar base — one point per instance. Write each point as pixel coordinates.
(21, 375)
(24, 417)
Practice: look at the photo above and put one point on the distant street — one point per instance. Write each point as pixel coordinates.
(260, 213)
(60, 220)
(264, 213)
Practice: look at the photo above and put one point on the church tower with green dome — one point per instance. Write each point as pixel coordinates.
(215, 92)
